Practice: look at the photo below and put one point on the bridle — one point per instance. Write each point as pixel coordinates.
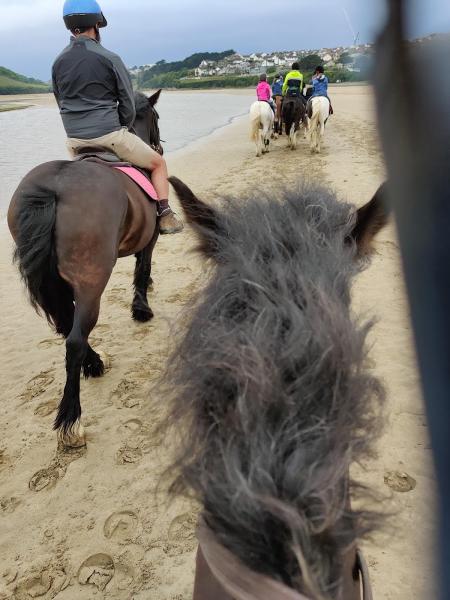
(152, 131)
(240, 583)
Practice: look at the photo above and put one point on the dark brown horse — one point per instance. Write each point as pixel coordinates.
(274, 401)
(71, 221)
(293, 115)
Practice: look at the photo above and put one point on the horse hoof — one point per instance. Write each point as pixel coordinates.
(74, 437)
(142, 315)
(94, 367)
(105, 360)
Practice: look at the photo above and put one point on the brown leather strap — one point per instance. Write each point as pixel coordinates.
(239, 581)
(364, 576)
(221, 576)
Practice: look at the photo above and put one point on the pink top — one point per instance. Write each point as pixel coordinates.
(263, 91)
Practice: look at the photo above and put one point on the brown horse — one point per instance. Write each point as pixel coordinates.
(278, 115)
(274, 401)
(71, 221)
(293, 115)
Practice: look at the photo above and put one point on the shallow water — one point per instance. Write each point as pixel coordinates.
(35, 135)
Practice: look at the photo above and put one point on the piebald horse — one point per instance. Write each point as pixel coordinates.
(320, 113)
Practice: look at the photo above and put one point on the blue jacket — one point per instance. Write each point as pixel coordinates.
(277, 87)
(320, 86)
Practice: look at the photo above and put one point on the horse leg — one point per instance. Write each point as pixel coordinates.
(259, 143)
(266, 140)
(140, 309)
(63, 319)
(67, 423)
(292, 137)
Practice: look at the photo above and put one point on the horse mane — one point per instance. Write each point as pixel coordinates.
(273, 401)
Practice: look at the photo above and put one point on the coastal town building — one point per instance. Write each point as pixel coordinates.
(256, 63)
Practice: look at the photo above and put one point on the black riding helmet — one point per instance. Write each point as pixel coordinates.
(83, 13)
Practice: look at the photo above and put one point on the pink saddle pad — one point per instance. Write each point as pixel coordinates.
(141, 180)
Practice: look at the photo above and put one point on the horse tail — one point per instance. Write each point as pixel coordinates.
(315, 119)
(255, 125)
(35, 254)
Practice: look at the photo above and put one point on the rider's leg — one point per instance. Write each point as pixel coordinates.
(130, 148)
(331, 106)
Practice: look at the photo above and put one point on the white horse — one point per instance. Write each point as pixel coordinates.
(320, 114)
(262, 120)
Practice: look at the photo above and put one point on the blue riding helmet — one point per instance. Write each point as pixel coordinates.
(83, 13)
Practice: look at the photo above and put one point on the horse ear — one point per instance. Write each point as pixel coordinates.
(154, 98)
(203, 218)
(370, 220)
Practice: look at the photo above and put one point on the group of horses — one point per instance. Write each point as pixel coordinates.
(292, 114)
(273, 400)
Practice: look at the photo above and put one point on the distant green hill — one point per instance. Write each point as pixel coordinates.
(13, 83)
(167, 74)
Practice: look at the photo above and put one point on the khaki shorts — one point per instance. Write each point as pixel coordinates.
(128, 147)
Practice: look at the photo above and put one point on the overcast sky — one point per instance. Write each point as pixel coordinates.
(143, 31)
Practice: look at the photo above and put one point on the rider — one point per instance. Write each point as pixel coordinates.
(277, 85)
(293, 83)
(95, 96)
(320, 85)
(264, 91)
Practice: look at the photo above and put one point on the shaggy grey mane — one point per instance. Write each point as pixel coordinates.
(273, 401)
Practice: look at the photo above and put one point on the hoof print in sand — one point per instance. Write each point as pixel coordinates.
(45, 478)
(42, 583)
(181, 535)
(9, 505)
(126, 393)
(34, 586)
(46, 408)
(399, 482)
(37, 386)
(119, 297)
(131, 427)
(128, 455)
(121, 527)
(51, 342)
(97, 570)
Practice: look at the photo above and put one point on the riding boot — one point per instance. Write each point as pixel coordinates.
(168, 222)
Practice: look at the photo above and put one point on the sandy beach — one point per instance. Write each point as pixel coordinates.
(89, 524)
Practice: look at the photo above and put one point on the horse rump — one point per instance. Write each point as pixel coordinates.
(33, 223)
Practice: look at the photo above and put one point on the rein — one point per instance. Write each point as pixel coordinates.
(241, 583)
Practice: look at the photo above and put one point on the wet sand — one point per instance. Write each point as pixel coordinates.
(88, 524)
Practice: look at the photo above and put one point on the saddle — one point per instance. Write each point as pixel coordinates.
(141, 177)
(309, 107)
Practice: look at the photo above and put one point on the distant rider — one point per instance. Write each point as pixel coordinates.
(319, 83)
(293, 83)
(277, 86)
(264, 91)
(95, 96)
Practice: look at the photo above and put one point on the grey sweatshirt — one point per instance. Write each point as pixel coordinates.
(93, 90)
